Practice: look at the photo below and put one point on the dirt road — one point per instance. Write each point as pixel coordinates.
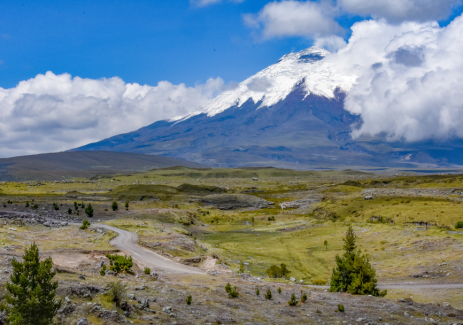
(127, 242)
(410, 286)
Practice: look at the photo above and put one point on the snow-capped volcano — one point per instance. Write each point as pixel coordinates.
(289, 115)
(276, 82)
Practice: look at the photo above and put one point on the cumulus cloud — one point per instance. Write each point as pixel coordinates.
(295, 18)
(57, 112)
(331, 43)
(400, 10)
(409, 79)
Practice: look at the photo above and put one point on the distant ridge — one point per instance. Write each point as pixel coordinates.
(66, 165)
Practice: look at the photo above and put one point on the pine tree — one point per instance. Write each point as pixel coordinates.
(353, 272)
(114, 206)
(31, 292)
(89, 211)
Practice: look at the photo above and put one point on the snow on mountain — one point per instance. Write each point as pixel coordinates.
(276, 82)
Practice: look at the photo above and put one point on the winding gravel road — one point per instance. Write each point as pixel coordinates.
(127, 242)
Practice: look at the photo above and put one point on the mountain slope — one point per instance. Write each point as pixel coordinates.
(289, 115)
(56, 166)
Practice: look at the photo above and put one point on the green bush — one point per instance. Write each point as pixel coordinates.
(120, 263)
(257, 291)
(27, 204)
(69, 211)
(147, 270)
(459, 225)
(293, 301)
(55, 206)
(353, 272)
(103, 270)
(89, 211)
(189, 300)
(278, 272)
(31, 293)
(303, 297)
(279, 290)
(85, 224)
(272, 218)
(319, 282)
(341, 308)
(232, 292)
(35, 206)
(268, 295)
(114, 206)
(126, 205)
(117, 292)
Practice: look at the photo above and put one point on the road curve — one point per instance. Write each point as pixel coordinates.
(127, 242)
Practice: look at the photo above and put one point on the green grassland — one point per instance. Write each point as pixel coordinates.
(169, 217)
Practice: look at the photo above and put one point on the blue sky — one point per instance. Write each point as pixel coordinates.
(139, 41)
(74, 72)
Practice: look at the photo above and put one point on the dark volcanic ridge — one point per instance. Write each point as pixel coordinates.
(65, 165)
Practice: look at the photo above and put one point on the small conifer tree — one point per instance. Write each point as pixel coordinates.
(242, 268)
(257, 291)
(268, 295)
(103, 270)
(27, 204)
(189, 299)
(31, 292)
(303, 296)
(326, 244)
(89, 210)
(279, 290)
(114, 206)
(126, 205)
(353, 272)
(293, 301)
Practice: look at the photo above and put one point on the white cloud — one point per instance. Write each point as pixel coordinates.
(400, 10)
(409, 79)
(57, 112)
(331, 43)
(295, 18)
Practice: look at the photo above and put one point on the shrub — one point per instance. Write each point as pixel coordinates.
(272, 218)
(126, 205)
(353, 272)
(319, 282)
(114, 206)
(278, 272)
(75, 206)
(326, 244)
(31, 292)
(189, 300)
(242, 267)
(341, 308)
(459, 225)
(268, 295)
(232, 292)
(116, 292)
(35, 206)
(257, 291)
(27, 204)
(120, 263)
(293, 301)
(279, 290)
(103, 270)
(303, 296)
(55, 206)
(147, 270)
(85, 224)
(89, 211)
(69, 211)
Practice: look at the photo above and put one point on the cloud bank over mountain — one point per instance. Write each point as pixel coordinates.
(57, 112)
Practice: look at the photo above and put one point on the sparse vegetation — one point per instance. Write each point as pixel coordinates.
(103, 270)
(117, 292)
